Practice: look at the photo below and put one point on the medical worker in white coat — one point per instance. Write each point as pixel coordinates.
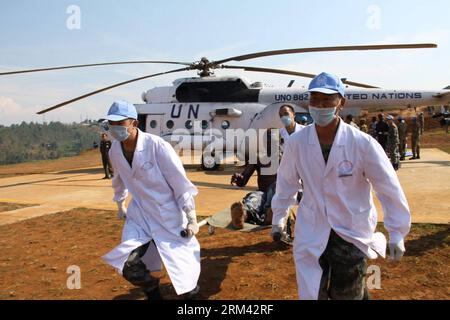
(287, 117)
(162, 207)
(336, 219)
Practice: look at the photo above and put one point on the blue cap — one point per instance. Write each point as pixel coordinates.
(121, 110)
(327, 83)
(389, 117)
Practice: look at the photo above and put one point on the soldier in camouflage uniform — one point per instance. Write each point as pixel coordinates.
(415, 139)
(402, 135)
(393, 142)
(363, 125)
(105, 145)
(421, 122)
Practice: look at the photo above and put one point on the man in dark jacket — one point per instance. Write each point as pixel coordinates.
(105, 145)
(382, 130)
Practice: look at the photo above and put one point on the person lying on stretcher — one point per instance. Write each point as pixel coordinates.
(255, 208)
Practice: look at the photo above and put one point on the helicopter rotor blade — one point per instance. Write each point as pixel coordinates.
(108, 88)
(326, 49)
(91, 65)
(294, 73)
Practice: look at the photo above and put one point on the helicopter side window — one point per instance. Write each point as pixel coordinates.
(299, 115)
(225, 124)
(153, 124)
(188, 124)
(216, 91)
(169, 124)
(204, 124)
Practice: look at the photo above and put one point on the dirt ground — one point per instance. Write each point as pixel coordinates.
(35, 255)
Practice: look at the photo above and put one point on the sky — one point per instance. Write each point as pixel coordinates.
(43, 33)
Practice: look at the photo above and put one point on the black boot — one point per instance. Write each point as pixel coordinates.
(154, 294)
(192, 295)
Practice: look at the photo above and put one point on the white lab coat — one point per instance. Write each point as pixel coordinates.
(285, 134)
(337, 196)
(160, 192)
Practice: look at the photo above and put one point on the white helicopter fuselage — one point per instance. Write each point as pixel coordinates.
(186, 106)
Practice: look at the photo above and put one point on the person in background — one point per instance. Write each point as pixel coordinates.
(373, 127)
(415, 139)
(105, 145)
(393, 142)
(349, 120)
(402, 135)
(363, 126)
(382, 130)
(421, 120)
(287, 117)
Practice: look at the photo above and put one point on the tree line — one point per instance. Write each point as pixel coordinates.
(40, 141)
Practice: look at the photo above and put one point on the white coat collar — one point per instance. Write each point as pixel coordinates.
(339, 139)
(140, 144)
(140, 147)
(338, 152)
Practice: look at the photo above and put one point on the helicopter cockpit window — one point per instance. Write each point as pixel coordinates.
(153, 124)
(169, 124)
(204, 124)
(216, 91)
(188, 124)
(300, 115)
(225, 124)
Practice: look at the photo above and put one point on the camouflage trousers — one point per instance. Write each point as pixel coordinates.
(392, 150)
(344, 271)
(402, 148)
(415, 146)
(136, 272)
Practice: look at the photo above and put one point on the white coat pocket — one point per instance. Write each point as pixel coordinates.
(306, 221)
(152, 177)
(171, 215)
(362, 222)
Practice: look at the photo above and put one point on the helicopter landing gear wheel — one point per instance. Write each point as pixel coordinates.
(210, 163)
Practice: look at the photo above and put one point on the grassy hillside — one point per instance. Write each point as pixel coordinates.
(35, 141)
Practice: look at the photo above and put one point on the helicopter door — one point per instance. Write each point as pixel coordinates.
(154, 124)
(142, 121)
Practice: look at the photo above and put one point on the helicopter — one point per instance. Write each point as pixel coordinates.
(201, 109)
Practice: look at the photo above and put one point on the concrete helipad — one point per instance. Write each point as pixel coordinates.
(426, 183)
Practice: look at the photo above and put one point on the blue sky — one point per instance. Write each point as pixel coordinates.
(35, 34)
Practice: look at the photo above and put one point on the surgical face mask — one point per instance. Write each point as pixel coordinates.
(322, 116)
(286, 120)
(119, 133)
